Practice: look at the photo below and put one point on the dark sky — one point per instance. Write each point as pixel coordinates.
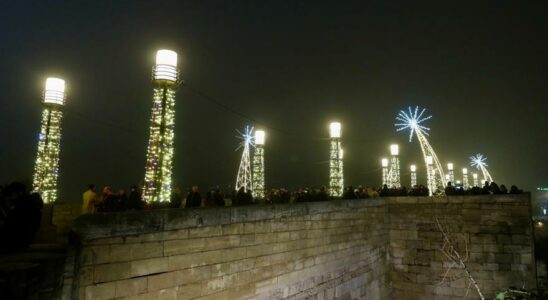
(292, 66)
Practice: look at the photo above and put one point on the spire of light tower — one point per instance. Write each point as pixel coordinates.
(158, 170)
(258, 165)
(244, 177)
(394, 177)
(465, 184)
(413, 175)
(450, 173)
(46, 169)
(413, 120)
(336, 181)
(384, 165)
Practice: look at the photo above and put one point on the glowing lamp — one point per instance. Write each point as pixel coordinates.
(394, 149)
(464, 171)
(259, 137)
(55, 91)
(335, 130)
(413, 168)
(450, 166)
(429, 160)
(384, 162)
(447, 177)
(475, 176)
(166, 66)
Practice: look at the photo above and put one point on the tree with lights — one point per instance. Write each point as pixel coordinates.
(336, 180)
(258, 165)
(413, 121)
(46, 170)
(158, 170)
(244, 177)
(478, 161)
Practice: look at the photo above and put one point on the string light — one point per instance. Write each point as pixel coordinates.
(413, 175)
(158, 170)
(394, 174)
(46, 170)
(244, 177)
(450, 173)
(258, 165)
(384, 165)
(475, 179)
(336, 180)
(465, 183)
(478, 161)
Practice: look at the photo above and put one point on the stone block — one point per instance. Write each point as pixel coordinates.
(131, 287)
(111, 272)
(149, 266)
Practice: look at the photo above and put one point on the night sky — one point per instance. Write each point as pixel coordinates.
(289, 67)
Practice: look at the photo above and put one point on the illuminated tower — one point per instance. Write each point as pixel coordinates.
(413, 175)
(465, 183)
(478, 161)
(475, 179)
(258, 165)
(384, 164)
(413, 120)
(244, 178)
(336, 180)
(450, 173)
(46, 169)
(158, 168)
(394, 166)
(431, 175)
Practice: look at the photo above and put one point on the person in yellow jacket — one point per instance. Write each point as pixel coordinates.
(89, 200)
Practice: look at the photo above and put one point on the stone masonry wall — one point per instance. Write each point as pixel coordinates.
(335, 249)
(385, 248)
(492, 233)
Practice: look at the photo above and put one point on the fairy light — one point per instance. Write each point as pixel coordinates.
(478, 161)
(384, 165)
(450, 173)
(46, 170)
(258, 165)
(336, 180)
(413, 175)
(475, 179)
(158, 170)
(430, 174)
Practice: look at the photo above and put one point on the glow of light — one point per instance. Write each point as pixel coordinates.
(384, 162)
(458, 182)
(413, 168)
(412, 121)
(540, 224)
(244, 177)
(464, 171)
(544, 210)
(335, 130)
(447, 178)
(55, 91)
(166, 66)
(475, 176)
(450, 166)
(394, 149)
(259, 137)
(429, 160)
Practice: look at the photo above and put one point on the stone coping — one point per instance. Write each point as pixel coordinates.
(107, 225)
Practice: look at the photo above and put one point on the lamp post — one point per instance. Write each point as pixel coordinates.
(336, 180)
(450, 173)
(394, 166)
(413, 175)
(384, 165)
(158, 170)
(475, 179)
(258, 165)
(465, 184)
(46, 170)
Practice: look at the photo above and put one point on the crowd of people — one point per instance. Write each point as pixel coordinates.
(120, 201)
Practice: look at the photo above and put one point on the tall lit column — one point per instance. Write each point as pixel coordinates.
(431, 175)
(258, 165)
(384, 165)
(413, 175)
(158, 168)
(394, 166)
(46, 169)
(475, 179)
(450, 173)
(465, 183)
(336, 181)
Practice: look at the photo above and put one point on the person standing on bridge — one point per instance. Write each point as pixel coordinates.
(193, 199)
(89, 200)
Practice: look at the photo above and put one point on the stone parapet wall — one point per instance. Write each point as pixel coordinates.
(384, 248)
